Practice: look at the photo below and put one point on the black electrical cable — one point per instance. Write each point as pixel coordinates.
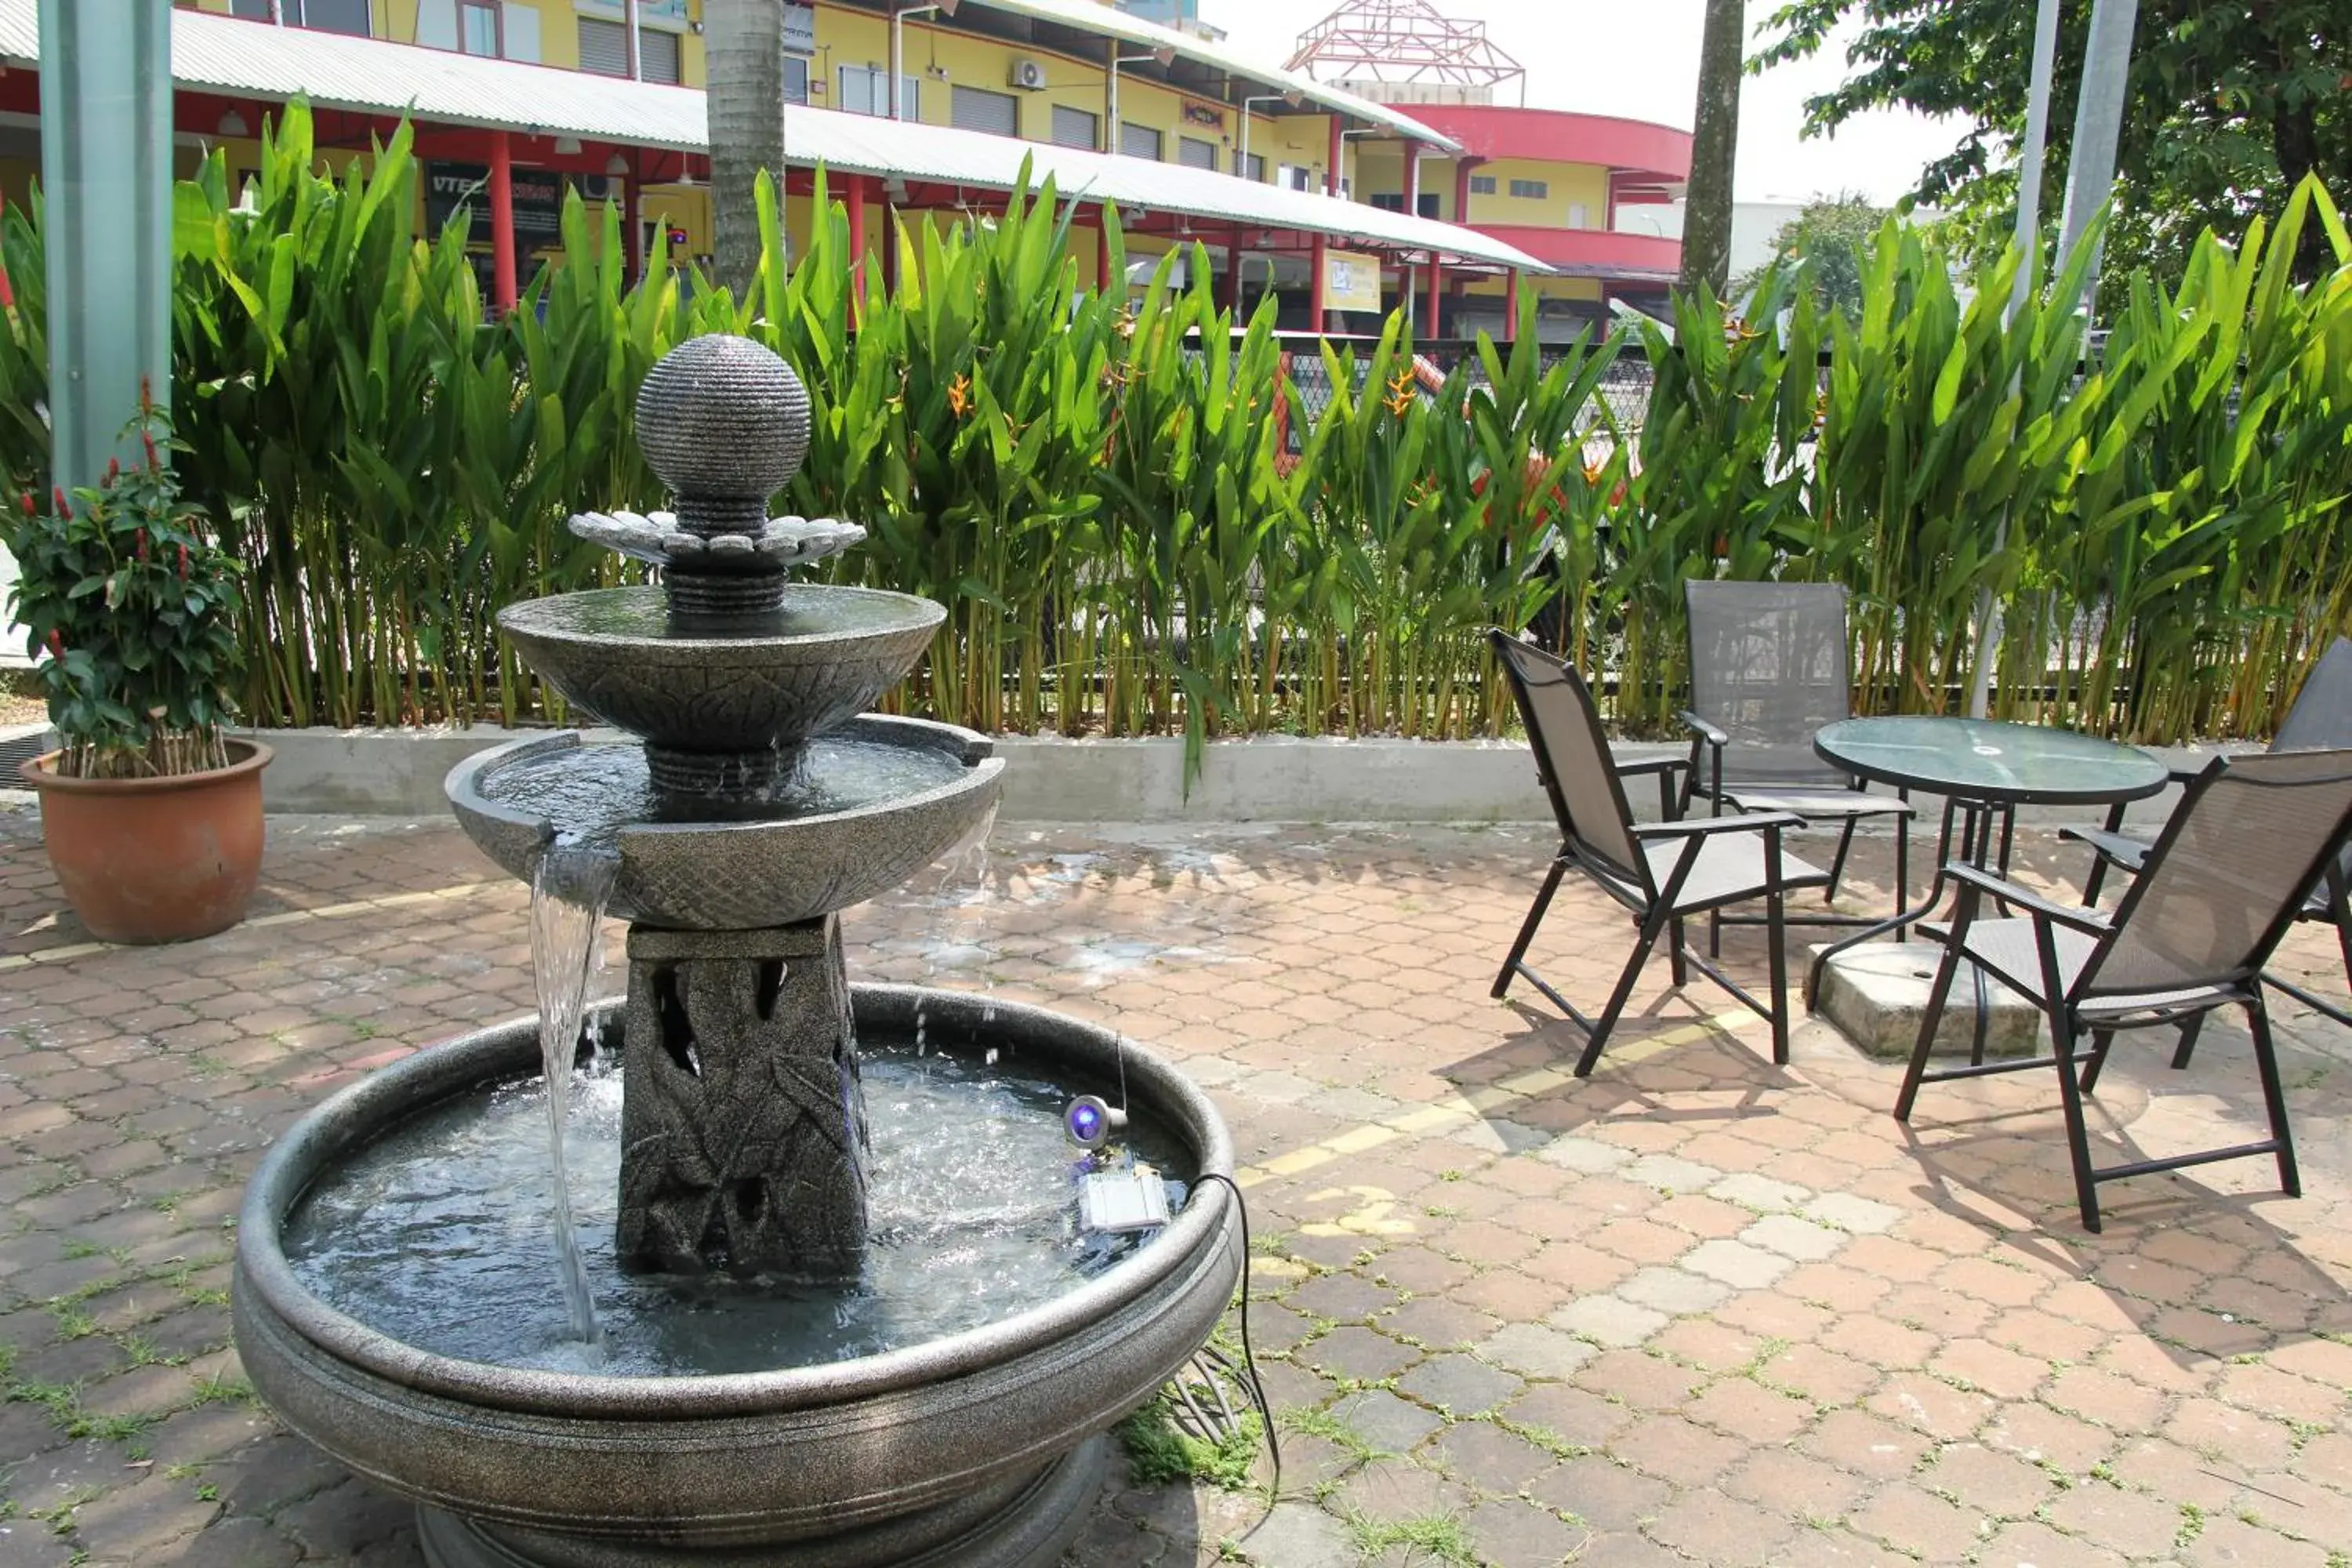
(1249, 1356)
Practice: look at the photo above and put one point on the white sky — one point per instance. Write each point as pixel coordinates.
(1640, 58)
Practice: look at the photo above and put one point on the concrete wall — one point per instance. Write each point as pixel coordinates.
(1269, 779)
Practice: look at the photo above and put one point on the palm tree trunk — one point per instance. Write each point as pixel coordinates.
(1714, 142)
(743, 42)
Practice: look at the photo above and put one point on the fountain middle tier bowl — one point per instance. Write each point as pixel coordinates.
(976, 1449)
(767, 681)
(878, 799)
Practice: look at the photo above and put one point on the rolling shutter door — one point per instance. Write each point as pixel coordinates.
(605, 47)
(1077, 128)
(1139, 141)
(1195, 154)
(976, 109)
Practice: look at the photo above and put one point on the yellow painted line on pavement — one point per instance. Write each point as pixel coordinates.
(283, 917)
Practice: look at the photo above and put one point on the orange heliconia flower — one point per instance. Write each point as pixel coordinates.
(960, 396)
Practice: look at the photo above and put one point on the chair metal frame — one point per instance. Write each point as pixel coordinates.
(1710, 743)
(2076, 1011)
(2330, 900)
(1657, 908)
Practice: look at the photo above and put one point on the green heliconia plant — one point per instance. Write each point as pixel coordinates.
(1140, 526)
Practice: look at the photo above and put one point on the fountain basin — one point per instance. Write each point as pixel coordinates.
(739, 875)
(975, 1450)
(764, 684)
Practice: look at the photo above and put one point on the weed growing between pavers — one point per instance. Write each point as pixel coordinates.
(1439, 1537)
(1160, 1452)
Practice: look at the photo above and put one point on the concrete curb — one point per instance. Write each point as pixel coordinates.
(398, 773)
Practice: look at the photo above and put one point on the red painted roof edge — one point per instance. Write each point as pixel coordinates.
(1560, 136)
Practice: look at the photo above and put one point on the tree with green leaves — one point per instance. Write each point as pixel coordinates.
(1832, 237)
(2229, 106)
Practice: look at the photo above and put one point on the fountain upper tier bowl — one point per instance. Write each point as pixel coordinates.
(741, 686)
(879, 798)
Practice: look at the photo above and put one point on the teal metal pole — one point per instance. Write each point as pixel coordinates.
(106, 182)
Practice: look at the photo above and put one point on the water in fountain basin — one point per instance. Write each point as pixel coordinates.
(568, 888)
(429, 1234)
(642, 615)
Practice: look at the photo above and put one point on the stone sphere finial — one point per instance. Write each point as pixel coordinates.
(725, 422)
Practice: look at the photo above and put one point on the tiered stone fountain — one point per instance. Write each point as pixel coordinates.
(826, 1346)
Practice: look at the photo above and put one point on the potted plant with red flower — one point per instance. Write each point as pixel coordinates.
(151, 815)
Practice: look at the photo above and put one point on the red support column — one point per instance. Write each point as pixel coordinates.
(1436, 294)
(503, 235)
(1331, 163)
(856, 249)
(1511, 308)
(1316, 273)
(1413, 177)
(1461, 188)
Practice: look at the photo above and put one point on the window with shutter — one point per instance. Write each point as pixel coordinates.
(977, 109)
(866, 90)
(332, 15)
(1076, 127)
(1195, 154)
(605, 47)
(1251, 168)
(1138, 141)
(657, 56)
(796, 80)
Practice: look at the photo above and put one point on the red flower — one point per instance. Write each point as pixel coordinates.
(57, 495)
(113, 469)
(32, 506)
(56, 644)
(183, 563)
(142, 544)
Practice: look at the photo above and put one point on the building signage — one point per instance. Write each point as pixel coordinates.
(538, 200)
(800, 29)
(1351, 282)
(1209, 115)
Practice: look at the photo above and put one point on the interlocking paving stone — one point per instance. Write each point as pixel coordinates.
(1907, 1341)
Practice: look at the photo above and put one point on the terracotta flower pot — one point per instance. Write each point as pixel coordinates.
(148, 860)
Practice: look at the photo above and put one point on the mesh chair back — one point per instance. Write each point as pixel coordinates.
(2228, 875)
(1771, 663)
(1564, 727)
(2322, 718)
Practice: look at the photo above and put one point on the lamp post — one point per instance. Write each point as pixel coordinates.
(1163, 58)
(1293, 98)
(106, 173)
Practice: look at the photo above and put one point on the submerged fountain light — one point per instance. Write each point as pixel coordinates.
(739, 1172)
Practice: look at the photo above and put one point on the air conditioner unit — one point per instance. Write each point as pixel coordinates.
(1029, 75)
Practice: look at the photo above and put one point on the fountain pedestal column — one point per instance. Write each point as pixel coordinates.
(743, 1128)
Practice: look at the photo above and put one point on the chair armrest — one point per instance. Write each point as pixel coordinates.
(2089, 921)
(1705, 732)
(1744, 822)
(2181, 774)
(1650, 765)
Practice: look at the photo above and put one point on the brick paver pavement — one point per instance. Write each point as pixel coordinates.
(1691, 1309)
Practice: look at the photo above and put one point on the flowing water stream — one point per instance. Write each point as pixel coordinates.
(568, 888)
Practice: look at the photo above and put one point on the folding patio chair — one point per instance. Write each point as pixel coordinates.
(1664, 872)
(2320, 718)
(2214, 895)
(1769, 666)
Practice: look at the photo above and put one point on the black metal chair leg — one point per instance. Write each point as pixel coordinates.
(2100, 1041)
(1776, 932)
(1674, 953)
(1617, 1000)
(2078, 1135)
(2190, 1028)
(1927, 1023)
(1528, 929)
(2258, 1018)
(1715, 933)
(1837, 865)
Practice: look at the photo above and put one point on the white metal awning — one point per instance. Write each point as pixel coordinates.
(370, 76)
(1110, 22)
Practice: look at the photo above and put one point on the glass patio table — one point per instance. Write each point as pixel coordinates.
(1985, 770)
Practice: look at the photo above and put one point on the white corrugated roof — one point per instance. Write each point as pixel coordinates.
(1111, 22)
(256, 59)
